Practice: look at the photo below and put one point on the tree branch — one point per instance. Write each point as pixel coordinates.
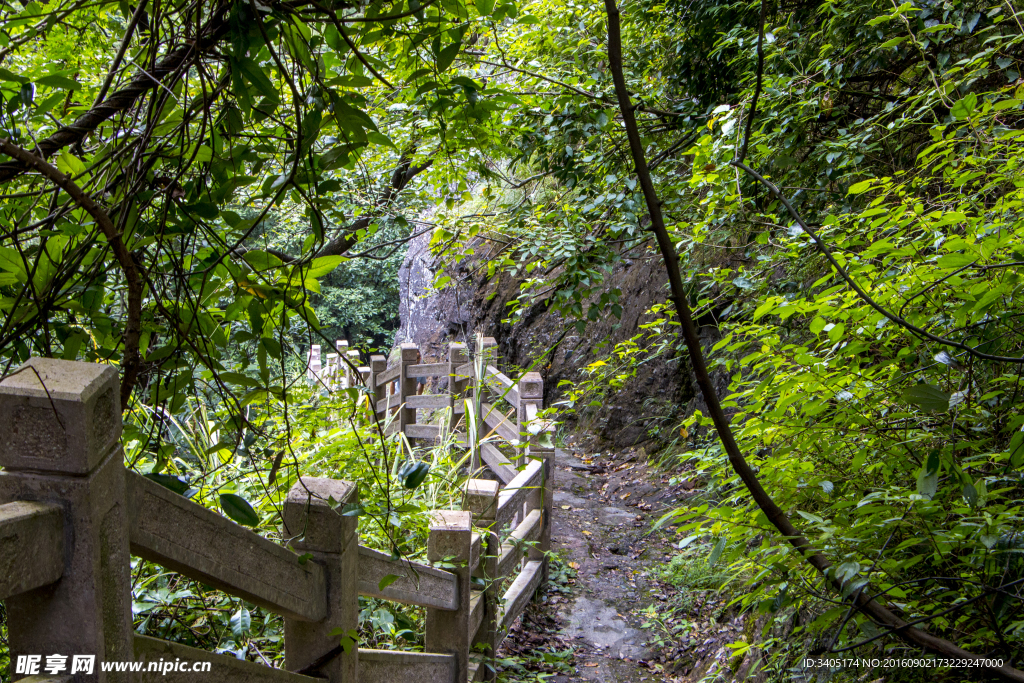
(125, 98)
(401, 177)
(131, 359)
(742, 468)
(857, 288)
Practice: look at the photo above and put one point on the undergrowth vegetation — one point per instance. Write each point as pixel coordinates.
(326, 434)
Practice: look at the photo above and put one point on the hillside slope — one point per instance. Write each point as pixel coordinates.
(662, 391)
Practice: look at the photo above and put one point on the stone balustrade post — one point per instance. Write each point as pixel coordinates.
(315, 525)
(60, 430)
(344, 371)
(378, 366)
(540, 447)
(482, 501)
(353, 362)
(451, 540)
(407, 385)
(457, 384)
(313, 371)
(531, 393)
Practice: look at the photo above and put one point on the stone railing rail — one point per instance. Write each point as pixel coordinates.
(509, 505)
(71, 515)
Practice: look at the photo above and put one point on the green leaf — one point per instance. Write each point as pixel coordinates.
(10, 260)
(764, 309)
(847, 571)
(324, 265)
(744, 283)
(716, 552)
(69, 164)
(484, 7)
(447, 56)
(6, 75)
(956, 260)
(928, 477)
(261, 260)
(380, 139)
(893, 43)
(927, 397)
(203, 210)
(352, 510)
(239, 378)
(1016, 449)
(817, 325)
(861, 187)
(58, 81)
(413, 474)
(254, 74)
(963, 108)
(28, 94)
(176, 484)
(241, 622)
(238, 509)
(387, 581)
(970, 494)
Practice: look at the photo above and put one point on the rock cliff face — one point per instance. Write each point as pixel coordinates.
(661, 393)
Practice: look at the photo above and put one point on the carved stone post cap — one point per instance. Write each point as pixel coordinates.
(531, 385)
(313, 510)
(451, 520)
(482, 498)
(378, 363)
(59, 416)
(410, 351)
(451, 535)
(457, 352)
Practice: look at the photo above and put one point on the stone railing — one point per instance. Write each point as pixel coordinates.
(509, 500)
(71, 515)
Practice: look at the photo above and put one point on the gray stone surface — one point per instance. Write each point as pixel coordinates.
(309, 513)
(612, 516)
(512, 496)
(451, 538)
(64, 449)
(31, 546)
(520, 592)
(565, 498)
(223, 668)
(338, 556)
(176, 533)
(598, 623)
(388, 666)
(61, 416)
(482, 499)
(417, 584)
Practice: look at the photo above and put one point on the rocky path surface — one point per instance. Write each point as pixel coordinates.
(601, 540)
(603, 510)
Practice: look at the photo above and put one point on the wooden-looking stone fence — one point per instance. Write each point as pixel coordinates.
(71, 516)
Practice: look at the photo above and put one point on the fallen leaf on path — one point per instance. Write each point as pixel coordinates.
(566, 507)
(586, 533)
(590, 664)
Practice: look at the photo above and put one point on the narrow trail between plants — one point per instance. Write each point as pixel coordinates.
(600, 609)
(604, 542)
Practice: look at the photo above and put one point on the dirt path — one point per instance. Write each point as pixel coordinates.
(603, 507)
(602, 539)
